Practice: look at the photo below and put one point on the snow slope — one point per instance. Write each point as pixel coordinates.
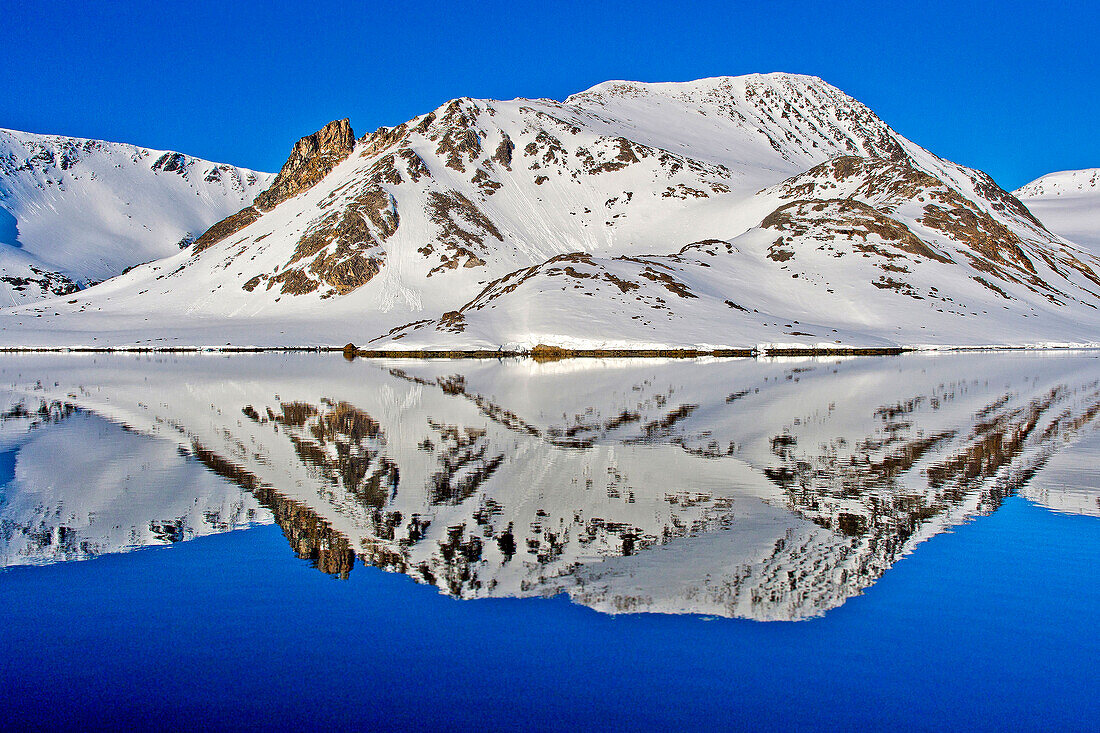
(110, 496)
(629, 215)
(1068, 203)
(859, 251)
(769, 489)
(76, 211)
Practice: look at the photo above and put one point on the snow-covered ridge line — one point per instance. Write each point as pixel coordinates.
(1062, 183)
(74, 211)
(1068, 202)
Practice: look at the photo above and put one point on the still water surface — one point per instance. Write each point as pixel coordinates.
(294, 539)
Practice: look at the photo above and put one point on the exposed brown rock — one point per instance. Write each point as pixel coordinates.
(452, 321)
(682, 191)
(988, 243)
(294, 282)
(382, 138)
(553, 152)
(462, 229)
(485, 182)
(847, 219)
(228, 226)
(887, 182)
(457, 139)
(425, 123)
(776, 253)
(169, 162)
(670, 283)
(622, 159)
(347, 274)
(1002, 200)
(338, 243)
(311, 159)
(981, 232)
(414, 164)
(503, 155)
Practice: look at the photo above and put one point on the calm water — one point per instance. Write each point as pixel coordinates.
(296, 540)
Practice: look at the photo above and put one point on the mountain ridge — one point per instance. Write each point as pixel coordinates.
(415, 220)
(1069, 202)
(74, 211)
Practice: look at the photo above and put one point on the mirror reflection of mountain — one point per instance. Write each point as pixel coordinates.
(770, 489)
(77, 485)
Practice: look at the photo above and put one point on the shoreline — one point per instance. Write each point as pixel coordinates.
(540, 353)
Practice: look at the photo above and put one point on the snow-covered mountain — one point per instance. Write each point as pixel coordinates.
(770, 488)
(863, 251)
(1068, 203)
(728, 212)
(76, 211)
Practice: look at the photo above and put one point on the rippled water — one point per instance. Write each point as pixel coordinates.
(573, 543)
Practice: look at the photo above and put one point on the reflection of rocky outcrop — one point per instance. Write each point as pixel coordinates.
(310, 536)
(464, 465)
(343, 444)
(765, 489)
(882, 490)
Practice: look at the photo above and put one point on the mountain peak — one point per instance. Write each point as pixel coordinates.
(1062, 183)
(75, 211)
(708, 85)
(311, 159)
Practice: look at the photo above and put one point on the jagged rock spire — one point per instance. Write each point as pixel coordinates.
(311, 159)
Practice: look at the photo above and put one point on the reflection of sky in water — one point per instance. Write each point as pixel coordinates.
(988, 627)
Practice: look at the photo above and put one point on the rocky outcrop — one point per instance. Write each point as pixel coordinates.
(227, 226)
(311, 160)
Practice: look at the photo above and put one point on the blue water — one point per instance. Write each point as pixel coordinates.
(991, 626)
(935, 518)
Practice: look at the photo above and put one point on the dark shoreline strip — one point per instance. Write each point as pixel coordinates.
(550, 354)
(160, 349)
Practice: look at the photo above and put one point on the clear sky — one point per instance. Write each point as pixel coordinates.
(1008, 87)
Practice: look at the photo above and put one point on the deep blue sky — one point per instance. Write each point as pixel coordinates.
(1008, 87)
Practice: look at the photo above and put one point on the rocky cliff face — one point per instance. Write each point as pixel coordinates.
(310, 160)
